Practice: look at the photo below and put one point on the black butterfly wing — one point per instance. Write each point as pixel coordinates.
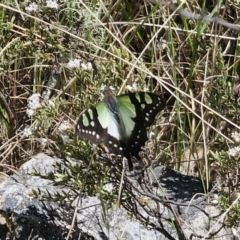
(137, 112)
(93, 125)
(88, 127)
(151, 105)
(146, 107)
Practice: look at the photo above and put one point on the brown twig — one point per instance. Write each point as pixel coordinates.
(13, 123)
(199, 17)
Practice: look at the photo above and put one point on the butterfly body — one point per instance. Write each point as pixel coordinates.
(120, 122)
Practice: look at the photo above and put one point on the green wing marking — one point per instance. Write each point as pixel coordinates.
(121, 122)
(103, 114)
(127, 113)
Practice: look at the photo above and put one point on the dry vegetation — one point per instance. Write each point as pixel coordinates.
(194, 64)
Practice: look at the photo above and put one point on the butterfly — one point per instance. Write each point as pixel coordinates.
(120, 122)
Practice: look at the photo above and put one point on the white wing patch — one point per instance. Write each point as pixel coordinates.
(127, 112)
(107, 120)
(113, 127)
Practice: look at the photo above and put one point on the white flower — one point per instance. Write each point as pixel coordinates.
(233, 152)
(84, 66)
(52, 4)
(65, 138)
(27, 131)
(51, 103)
(33, 7)
(132, 88)
(34, 101)
(43, 141)
(89, 66)
(64, 126)
(30, 112)
(236, 136)
(108, 187)
(73, 63)
(33, 104)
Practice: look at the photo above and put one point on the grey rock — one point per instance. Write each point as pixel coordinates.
(35, 219)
